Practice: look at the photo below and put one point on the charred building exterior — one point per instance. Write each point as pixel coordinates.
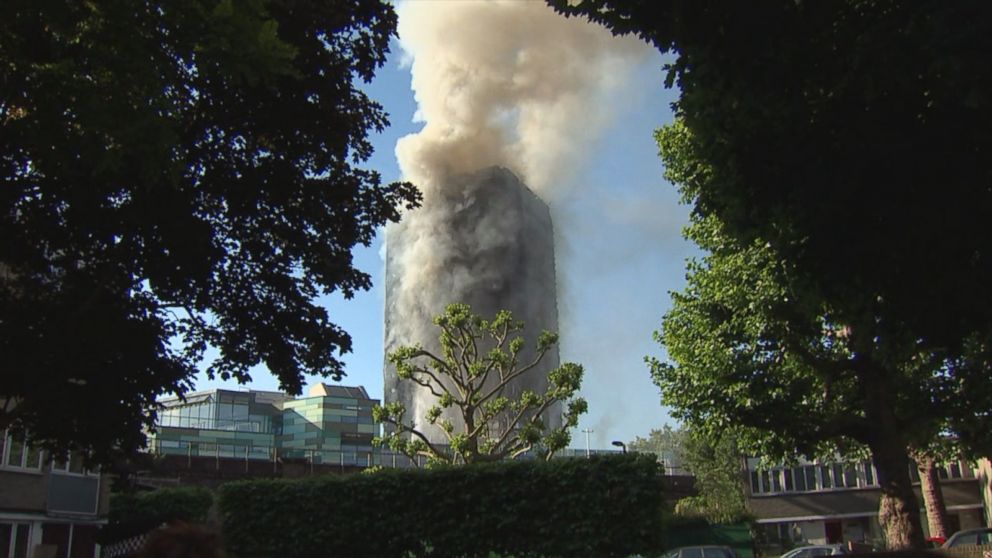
(483, 239)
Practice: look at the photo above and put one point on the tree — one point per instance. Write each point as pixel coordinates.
(859, 123)
(473, 380)
(752, 349)
(177, 177)
(938, 452)
(835, 156)
(663, 441)
(715, 462)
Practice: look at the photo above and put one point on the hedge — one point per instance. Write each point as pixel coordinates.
(134, 514)
(604, 506)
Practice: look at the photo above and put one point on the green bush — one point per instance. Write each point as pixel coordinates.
(133, 514)
(603, 507)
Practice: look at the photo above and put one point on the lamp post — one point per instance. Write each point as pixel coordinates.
(587, 432)
(620, 445)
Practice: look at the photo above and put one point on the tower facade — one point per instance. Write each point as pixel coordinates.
(483, 239)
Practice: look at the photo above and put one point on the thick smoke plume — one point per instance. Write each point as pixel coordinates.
(508, 83)
(499, 85)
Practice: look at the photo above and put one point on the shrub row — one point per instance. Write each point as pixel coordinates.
(134, 514)
(604, 506)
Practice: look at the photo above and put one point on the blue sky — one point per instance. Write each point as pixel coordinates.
(619, 254)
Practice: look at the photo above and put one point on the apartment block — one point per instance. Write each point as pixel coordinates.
(48, 508)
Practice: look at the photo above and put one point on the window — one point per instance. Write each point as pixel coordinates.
(14, 538)
(72, 466)
(16, 454)
(869, 474)
(838, 471)
(825, 477)
(955, 470)
(755, 486)
(784, 533)
(787, 476)
(810, 474)
(800, 479)
(850, 477)
(776, 480)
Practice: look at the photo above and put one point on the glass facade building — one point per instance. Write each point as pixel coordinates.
(332, 424)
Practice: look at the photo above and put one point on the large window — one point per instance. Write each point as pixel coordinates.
(16, 454)
(72, 466)
(204, 412)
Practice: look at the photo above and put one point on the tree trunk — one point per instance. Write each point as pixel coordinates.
(933, 496)
(899, 510)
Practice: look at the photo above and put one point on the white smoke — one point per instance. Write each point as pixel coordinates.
(509, 83)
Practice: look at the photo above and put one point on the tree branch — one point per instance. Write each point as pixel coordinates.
(505, 380)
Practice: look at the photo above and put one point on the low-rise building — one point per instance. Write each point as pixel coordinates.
(825, 503)
(47, 504)
(332, 425)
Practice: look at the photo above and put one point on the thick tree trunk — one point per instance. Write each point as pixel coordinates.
(899, 509)
(933, 496)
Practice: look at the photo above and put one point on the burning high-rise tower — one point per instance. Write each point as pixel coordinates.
(501, 83)
(483, 239)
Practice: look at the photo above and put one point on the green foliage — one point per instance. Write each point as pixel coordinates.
(133, 514)
(835, 154)
(479, 360)
(714, 462)
(175, 177)
(599, 507)
(849, 136)
(665, 440)
(716, 465)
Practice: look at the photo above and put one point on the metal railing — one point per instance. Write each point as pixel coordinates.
(214, 424)
(249, 453)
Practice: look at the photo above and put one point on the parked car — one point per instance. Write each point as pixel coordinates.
(705, 551)
(813, 551)
(969, 537)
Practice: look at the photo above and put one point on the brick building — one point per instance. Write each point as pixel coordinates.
(47, 506)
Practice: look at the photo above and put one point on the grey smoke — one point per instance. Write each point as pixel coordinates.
(483, 239)
(500, 83)
(507, 83)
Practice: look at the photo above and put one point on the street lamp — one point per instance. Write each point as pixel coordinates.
(620, 445)
(587, 432)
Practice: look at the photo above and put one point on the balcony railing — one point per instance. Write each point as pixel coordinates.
(214, 424)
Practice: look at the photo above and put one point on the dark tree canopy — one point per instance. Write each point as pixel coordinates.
(177, 176)
(836, 157)
(860, 124)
